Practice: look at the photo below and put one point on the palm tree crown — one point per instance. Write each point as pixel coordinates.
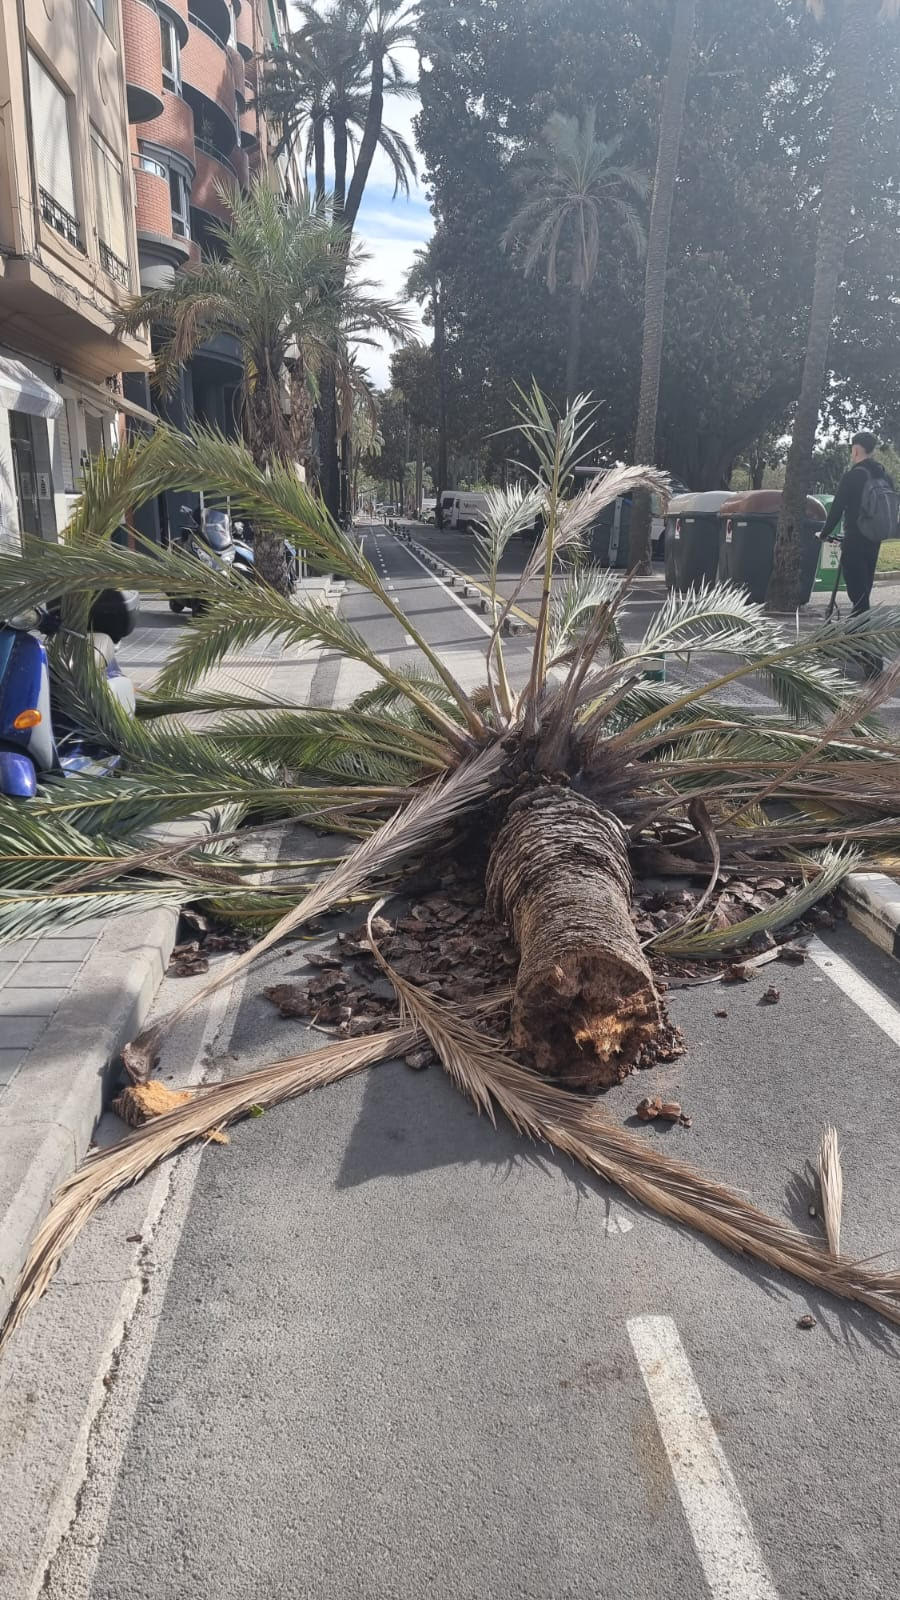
(282, 284)
(573, 191)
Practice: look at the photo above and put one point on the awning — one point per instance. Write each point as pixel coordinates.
(22, 390)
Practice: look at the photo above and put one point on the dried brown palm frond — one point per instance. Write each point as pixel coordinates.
(831, 1183)
(410, 830)
(207, 1110)
(580, 1129)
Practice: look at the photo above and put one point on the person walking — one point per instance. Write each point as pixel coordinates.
(867, 503)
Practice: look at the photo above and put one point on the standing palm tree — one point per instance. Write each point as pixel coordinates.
(572, 187)
(339, 67)
(424, 283)
(284, 286)
(669, 148)
(846, 152)
(334, 72)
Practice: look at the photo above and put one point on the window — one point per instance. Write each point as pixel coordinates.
(53, 151)
(171, 54)
(100, 7)
(150, 164)
(93, 432)
(181, 204)
(110, 211)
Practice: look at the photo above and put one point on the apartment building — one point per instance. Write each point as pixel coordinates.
(193, 65)
(68, 252)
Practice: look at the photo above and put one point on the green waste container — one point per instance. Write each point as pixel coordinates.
(692, 539)
(829, 559)
(748, 523)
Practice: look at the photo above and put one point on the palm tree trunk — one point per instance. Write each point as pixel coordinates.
(585, 1007)
(340, 167)
(670, 129)
(844, 156)
(573, 347)
(319, 160)
(441, 358)
(368, 144)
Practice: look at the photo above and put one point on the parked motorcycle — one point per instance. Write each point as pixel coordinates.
(208, 537)
(245, 554)
(29, 743)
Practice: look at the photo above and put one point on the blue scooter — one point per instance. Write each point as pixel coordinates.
(28, 745)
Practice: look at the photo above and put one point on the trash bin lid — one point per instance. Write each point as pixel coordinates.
(694, 505)
(762, 503)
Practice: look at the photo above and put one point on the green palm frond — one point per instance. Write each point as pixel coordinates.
(575, 601)
(362, 747)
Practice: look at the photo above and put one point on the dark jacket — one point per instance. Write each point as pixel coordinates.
(846, 502)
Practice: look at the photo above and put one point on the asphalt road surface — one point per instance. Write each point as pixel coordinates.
(375, 1347)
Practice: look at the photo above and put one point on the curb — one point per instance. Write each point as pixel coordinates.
(872, 903)
(52, 1106)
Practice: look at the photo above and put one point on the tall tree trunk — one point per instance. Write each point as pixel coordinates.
(418, 507)
(441, 358)
(585, 1006)
(329, 464)
(266, 439)
(319, 160)
(340, 167)
(573, 346)
(846, 152)
(670, 128)
(368, 144)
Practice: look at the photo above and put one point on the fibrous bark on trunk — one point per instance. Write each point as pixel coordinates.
(585, 1007)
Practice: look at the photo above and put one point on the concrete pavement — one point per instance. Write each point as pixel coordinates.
(375, 1347)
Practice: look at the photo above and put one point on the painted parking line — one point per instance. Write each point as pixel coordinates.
(732, 1561)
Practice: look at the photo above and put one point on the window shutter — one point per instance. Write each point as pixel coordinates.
(52, 147)
(65, 450)
(93, 427)
(108, 186)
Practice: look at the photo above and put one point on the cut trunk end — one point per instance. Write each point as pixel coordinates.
(585, 1008)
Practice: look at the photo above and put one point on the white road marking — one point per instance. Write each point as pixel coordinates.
(476, 618)
(870, 1000)
(720, 1526)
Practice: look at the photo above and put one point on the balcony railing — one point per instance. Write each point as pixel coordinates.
(59, 218)
(209, 149)
(110, 263)
(198, 22)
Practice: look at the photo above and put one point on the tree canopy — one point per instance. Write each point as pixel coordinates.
(743, 228)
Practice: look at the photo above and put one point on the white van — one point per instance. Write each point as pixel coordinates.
(462, 509)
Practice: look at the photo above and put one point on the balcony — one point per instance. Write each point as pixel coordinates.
(208, 86)
(174, 130)
(113, 266)
(250, 122)
(237, 71)
(57, 217)
(246, 27)
(213, 169)
(143, 60)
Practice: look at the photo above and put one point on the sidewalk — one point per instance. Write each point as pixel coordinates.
(71, 998)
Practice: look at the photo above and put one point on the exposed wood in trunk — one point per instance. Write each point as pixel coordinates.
(585, 1007)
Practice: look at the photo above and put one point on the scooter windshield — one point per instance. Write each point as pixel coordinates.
(217, 530)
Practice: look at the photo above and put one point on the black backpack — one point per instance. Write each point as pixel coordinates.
(879, 509)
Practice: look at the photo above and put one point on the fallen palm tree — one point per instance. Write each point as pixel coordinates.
(568, 770)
